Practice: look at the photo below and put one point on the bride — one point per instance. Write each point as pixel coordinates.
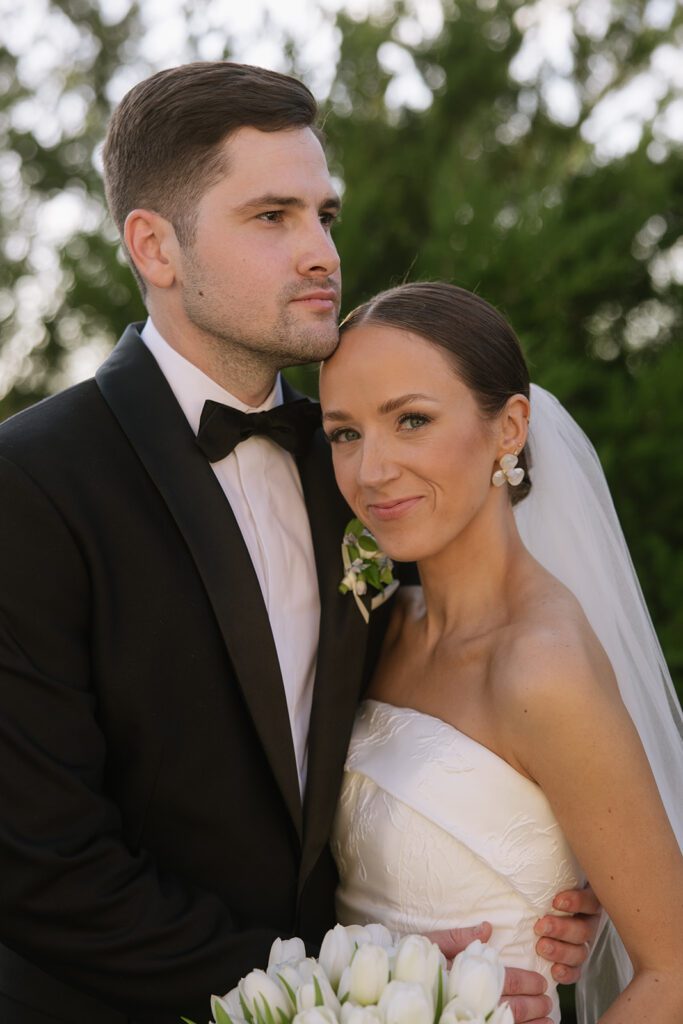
(495, 760)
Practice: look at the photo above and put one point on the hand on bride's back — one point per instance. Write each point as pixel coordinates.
(565, 941)
(524, 990)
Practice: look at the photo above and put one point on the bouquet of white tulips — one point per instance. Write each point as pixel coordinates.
(364, 975)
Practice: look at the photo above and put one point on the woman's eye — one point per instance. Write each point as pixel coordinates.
(413, 420)
(343, 435)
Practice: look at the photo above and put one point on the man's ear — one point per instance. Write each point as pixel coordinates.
(514, 424)
(153, 246)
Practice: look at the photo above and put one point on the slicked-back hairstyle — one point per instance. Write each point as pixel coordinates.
(164, 145)
(480, 344)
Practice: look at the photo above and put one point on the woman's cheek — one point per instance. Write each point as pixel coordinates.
(345, 477)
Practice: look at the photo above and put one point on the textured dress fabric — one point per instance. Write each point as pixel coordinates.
(434, 830)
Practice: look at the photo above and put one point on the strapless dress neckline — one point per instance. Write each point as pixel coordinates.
(434, 830)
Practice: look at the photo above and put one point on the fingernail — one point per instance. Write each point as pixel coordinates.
(546, 948)
(562, 904)
(561, 972)
(545, 928)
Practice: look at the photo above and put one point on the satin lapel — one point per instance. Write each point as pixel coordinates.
(138, 395)
(341, 653)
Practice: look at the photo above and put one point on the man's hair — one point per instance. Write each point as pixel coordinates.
(164, 145)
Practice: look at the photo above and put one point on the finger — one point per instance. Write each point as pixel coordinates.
(567, 953)
(530, 1008)
(574, 930)
(578, 901)
(453, 940)
(565, 975)
(519, 982)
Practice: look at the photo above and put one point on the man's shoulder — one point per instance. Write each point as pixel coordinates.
(49, 422)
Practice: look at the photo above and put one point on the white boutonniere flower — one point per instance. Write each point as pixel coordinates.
(365, 566)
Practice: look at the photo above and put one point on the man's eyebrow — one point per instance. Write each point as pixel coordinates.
(340, 415)
(331, 202)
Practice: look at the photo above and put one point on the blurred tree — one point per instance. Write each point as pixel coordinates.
(485, 188)
(492, 184)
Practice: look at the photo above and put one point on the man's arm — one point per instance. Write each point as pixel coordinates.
(74, 899)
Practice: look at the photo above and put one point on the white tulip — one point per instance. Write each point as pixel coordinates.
(477, 977)
(289, 977)
(286, 951)
(318, 1015)
(418, 960)
(308, 967)
(335, 953)
(352, 1014)
(312, 991)
(230, 1004)
(403, 1002)
(259, 991)
(458, 1012)
(358, 934)
(380, 935)
(368, 974)
(502, 1015)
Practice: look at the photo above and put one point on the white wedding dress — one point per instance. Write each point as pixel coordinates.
(434, 830)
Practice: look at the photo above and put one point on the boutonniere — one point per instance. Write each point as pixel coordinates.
(365, 566)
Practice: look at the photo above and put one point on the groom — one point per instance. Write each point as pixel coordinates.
(178, 671)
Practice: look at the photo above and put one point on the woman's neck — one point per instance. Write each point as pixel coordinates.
(470, 587)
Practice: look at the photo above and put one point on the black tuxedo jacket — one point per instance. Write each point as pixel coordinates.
(152, 839)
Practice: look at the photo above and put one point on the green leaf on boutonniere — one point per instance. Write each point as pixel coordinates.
(367, 542)
(373, 576)
(365, 566)
(319, 1000)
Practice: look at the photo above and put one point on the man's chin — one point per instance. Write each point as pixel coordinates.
(315, 344)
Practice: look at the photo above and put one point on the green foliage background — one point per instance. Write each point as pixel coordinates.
(483, 188)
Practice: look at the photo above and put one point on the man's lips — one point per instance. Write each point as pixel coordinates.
(322, 299)
(387, 510)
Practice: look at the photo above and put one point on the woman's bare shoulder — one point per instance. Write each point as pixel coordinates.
(549, 654)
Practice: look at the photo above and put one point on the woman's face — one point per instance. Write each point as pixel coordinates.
(413, 455)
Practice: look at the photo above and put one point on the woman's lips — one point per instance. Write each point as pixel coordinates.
(394, 509)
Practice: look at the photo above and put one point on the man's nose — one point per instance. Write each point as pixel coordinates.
(319, 256)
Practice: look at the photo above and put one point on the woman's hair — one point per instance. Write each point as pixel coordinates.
(479, 342)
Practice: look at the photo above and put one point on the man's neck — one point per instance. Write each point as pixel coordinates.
(242, 372)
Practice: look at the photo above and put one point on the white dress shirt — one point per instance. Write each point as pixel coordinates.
(262, 485)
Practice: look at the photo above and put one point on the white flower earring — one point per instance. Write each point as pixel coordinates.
(509, 471)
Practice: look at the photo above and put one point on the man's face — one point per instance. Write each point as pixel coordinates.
(263, 272)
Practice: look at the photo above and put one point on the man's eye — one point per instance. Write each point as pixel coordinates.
(413, 420)
(343, 435)
(328, 219)
(271, 216)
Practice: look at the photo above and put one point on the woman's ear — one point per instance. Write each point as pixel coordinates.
(153, 247)
(514, 424)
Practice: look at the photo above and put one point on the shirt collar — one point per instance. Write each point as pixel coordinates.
(191, 386)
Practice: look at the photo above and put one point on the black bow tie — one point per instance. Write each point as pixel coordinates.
(291, 425)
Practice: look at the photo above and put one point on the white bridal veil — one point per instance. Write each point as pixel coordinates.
(569, 524)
